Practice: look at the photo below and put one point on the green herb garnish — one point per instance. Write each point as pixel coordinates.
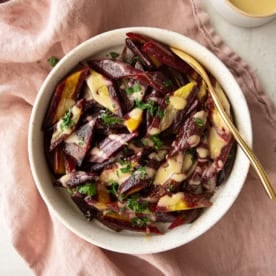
(114, 55)
(133, 89)
(136, 206)
(134, 59)
(167, 99)
(142, 172)
(170, 188)
(126, 169)
(122, 162)
(53, 61)
(109, 120)
(70, 191)
(88, 189)
(160, 113)
(156, 141)
(125, 149)
(167, 83)
(113, 188)
(121, 197)
(140, 222)
(80, 142)
(144, 142)
(199, 122)
(150, 106)
(66, 120)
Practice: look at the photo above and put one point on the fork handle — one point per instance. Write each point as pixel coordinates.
(256, 164)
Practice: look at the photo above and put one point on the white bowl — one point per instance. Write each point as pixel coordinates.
(125, 241)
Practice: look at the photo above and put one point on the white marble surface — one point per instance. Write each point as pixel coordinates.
(256, 46)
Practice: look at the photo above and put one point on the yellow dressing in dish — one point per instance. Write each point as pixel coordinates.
(170, 167)
(255, 7)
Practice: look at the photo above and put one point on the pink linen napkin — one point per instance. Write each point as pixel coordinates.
(242, 243)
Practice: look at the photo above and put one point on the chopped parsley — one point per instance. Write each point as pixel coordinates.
(53, 61)
(133, 89)
(140, 222)
(150, 106)
(66, 120)
(136, 206)
(114, 55)
(125, 149)
(144, 142)
(127, 166)
(113, 188)
(199, 122)
(70, 191)
(167, 99)
(156, 141)
(134, 59)
(160, 113)
(122, 162)
(126, 169)
(88, 189)
(121, 197)
(80, 142)
(142, 172)
(170, 188)
(167, 83)
(109, 120)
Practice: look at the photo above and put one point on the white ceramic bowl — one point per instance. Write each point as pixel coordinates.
(125, 241)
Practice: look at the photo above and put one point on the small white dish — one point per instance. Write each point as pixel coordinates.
(240, 18)
(125, 241)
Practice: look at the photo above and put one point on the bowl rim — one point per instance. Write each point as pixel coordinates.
(200, 52)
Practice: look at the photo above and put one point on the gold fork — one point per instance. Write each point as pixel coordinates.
(246, 149)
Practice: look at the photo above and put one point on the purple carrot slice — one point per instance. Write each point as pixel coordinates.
(75, 179)
(89, 211)
(133, 90)
(58, 164)
(102, 199)
(158, 81)
(182, 116)
(185, 217)
(78, 143)
(66, 95)
(171, 106)
(109, 145)
(138, 37)
(136, 51)
(102, 90)
(165, 56)
(219, 152)
(138, 181)
(67, 124)
(140, 224)
(70, 164)
(114, 69)
(190, 134)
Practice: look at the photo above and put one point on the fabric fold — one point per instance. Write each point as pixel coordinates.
(242, 243)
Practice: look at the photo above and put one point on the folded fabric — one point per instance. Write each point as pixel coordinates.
(242, 243)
